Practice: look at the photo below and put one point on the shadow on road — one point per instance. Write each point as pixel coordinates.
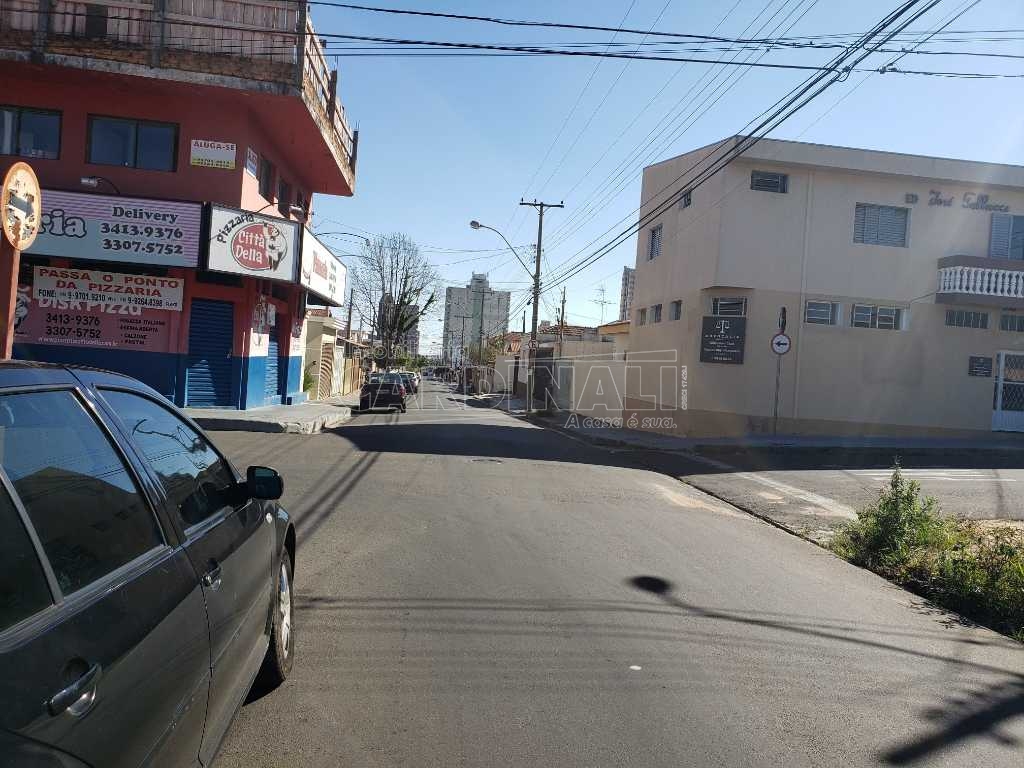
(974, 713)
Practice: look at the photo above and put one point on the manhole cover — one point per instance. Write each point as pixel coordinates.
(486, 461)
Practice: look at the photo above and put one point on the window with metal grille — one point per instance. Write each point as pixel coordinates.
(728, 306)
(675, 310)
(29, 132)
(965, 318)
(654, 243)
(821, 312)
(767, 181)
(641, 316)
(871, 316)
(686, 199)
(656, 313)
(880, 225)
(1012, 323)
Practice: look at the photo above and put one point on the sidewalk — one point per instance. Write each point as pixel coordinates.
(623, 437)
(304, 419)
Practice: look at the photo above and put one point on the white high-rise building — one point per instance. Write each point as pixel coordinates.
(626, 294)
(464, 308)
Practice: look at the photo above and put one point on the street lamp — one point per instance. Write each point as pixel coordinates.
(477, 225)
(536, 299)
(94, 182)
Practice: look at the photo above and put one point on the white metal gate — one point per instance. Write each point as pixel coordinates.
(1008, 405)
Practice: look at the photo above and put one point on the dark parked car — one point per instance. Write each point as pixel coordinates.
(385, 391)
(144, 583)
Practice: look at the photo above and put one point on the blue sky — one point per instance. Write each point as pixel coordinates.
(447, 140)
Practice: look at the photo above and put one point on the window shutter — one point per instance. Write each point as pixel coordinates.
(999, 236)
(892, 226)
(880, 225)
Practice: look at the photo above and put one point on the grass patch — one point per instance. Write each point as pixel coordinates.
(973, 569)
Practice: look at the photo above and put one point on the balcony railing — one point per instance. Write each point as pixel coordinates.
(255, 40)
(982, 281)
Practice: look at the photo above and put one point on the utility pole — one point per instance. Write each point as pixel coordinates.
(524, 322)
(480, 341)
(541, 207)
(561, 325)
(351, 300)
(462, 348)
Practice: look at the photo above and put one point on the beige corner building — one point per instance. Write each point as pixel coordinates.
(902, 280)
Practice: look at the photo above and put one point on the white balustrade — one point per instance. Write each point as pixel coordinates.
(982, 281)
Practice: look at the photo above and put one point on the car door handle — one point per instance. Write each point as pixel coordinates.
(211, 578)
(79, 697)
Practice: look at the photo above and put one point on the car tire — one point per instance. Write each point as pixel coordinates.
(277, 664)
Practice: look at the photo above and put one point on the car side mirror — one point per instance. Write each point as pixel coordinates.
(264, 483)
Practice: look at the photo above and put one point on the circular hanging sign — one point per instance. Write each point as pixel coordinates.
(20, 206)
(781, 343)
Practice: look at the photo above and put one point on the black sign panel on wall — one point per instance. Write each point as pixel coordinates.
(980, 366)
(722, 339)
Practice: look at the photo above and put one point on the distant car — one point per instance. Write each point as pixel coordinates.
(412, 385)
(144, 582)
(386, 390)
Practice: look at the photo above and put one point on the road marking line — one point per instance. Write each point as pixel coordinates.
(829, 506)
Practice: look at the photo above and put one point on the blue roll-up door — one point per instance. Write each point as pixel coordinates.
(211, 332)
(272, 388)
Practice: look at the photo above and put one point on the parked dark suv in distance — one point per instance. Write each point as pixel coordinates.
(144, 583)
(383, 390)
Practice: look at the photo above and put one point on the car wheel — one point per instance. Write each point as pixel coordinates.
(280, 655)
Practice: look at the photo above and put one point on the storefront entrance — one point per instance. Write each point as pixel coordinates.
(210, 342)
(1008, 402)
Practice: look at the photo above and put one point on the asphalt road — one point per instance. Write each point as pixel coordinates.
(815, 491)
(475, 591)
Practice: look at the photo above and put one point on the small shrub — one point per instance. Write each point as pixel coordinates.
(976, 571)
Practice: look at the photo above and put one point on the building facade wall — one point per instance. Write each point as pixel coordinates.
(779, 250)
(200, 112)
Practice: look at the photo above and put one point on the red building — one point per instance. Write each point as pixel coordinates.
(178, 154)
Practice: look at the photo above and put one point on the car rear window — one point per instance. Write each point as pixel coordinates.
(80, 498)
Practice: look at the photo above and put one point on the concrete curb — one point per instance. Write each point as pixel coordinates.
(299, 427)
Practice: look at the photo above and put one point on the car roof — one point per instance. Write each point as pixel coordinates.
(22, 373)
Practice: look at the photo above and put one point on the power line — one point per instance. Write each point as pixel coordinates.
(790, 104)
(705, 157)
(565, 122)
(612, 187)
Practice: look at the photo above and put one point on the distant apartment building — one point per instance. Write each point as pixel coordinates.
(901, 279)
(470, 310)
(410, 342)
(626, 292)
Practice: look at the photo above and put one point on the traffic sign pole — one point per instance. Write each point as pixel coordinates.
(20, 215)
(10, 265)
(781, 344)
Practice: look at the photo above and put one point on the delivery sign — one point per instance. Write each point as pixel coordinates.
(247, 243)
